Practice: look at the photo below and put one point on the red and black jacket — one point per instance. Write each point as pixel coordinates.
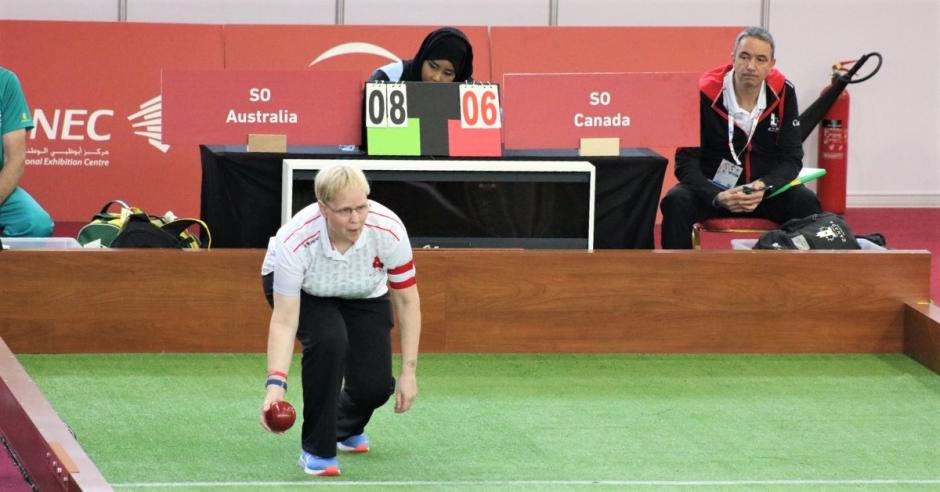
(775, 153)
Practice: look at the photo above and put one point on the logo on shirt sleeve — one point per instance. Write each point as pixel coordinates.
(377, 263)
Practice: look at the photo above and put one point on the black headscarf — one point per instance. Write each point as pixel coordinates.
(446, 43)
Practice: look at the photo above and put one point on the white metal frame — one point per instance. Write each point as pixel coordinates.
(290, 165)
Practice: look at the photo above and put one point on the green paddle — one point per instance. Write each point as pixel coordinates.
(806, 178)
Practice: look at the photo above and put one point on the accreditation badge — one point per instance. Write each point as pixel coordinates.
(727, 175)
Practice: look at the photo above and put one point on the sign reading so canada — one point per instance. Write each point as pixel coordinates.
(551, 111)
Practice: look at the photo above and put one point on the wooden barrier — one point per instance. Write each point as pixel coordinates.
(482, 300)
(922, 334)
(45, 446)
(133, 301)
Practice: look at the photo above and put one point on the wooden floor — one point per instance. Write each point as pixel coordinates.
(482, 301)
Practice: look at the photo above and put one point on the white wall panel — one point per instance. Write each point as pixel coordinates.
(60, 10)
(233, 11)
(434, 12)
(894, 130)
(659, 13)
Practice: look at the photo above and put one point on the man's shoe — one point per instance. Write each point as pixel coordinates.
(315, 465)
(354, 444)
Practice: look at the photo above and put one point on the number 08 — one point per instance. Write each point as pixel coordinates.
(386, 105)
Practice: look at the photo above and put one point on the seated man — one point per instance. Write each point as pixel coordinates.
(20, 215)
(750, 143)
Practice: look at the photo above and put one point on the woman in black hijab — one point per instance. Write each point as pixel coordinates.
(444, 56)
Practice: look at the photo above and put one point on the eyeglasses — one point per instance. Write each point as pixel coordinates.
(348, 211)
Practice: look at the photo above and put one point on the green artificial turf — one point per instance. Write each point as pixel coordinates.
(520, 421)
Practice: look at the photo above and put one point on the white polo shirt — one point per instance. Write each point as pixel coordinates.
(302, 257)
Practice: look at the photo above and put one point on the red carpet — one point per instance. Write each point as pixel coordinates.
(903, 228)
(11, 480)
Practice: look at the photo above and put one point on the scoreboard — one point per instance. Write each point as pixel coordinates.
(432, 119)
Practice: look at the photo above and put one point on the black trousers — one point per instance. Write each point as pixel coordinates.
(682, 208)
(342, 339)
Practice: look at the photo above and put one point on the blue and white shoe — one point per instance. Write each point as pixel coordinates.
(354, 444)
(315, 465)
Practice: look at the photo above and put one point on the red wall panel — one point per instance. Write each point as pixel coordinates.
(299, 46)
(86, 82)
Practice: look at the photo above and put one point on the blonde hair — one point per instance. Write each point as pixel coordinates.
(336, 178)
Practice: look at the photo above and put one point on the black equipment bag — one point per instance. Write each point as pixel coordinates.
(818, 231)
(140, 232)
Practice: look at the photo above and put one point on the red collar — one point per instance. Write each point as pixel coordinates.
(712, 81)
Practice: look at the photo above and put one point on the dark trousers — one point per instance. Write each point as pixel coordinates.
(682, 208)
(342, 339)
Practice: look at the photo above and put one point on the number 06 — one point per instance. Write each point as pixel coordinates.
(479, 106)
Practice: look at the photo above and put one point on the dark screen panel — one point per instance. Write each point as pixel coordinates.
(527, 210)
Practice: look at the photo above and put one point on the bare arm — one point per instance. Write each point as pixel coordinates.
(14, 162)
(281, 334)
(408, 310)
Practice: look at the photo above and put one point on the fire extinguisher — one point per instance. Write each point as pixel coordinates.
(834, 135)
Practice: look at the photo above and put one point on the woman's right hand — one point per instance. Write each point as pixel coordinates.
(274, 393)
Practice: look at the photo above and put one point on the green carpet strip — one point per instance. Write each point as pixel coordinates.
(532, 422)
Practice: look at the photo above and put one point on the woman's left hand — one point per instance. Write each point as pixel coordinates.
(406, 390)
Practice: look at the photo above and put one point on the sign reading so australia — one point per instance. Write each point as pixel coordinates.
(543, 111)
(225, 106)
